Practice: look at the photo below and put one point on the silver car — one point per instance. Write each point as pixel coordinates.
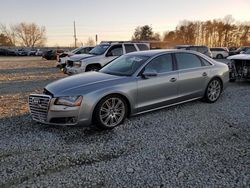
(132, 84)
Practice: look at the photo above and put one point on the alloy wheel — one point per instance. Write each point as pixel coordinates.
(112, 112)
(214, 90)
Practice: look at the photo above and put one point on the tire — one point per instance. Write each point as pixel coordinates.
(110, 112)
(92, 68)
(219, 56)
(213, 91)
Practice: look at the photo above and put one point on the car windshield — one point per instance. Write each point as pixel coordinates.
(125, 65)
(99, 50)
(239, 49)
(75, 50)
(247, 52)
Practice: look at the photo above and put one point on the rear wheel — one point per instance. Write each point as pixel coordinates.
(219, 56)
(213, 90)
(110, 112)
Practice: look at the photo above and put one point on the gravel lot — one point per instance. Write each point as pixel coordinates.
(190, 145)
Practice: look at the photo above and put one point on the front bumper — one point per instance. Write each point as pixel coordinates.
(44, 111)
(74, 70)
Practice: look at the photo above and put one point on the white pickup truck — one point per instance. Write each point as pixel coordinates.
(101, 55)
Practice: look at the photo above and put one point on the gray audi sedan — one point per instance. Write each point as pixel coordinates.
(132, 84)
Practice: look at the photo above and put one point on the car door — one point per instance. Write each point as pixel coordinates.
(193, 76)
(158, 90)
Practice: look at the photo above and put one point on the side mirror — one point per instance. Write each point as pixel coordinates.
(149, 73)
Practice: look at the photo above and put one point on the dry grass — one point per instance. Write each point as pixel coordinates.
(20, 76)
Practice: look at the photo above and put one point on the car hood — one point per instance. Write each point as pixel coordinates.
(79, 57)
(75, 82)
(239, 57)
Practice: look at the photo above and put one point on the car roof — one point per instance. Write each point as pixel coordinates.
(151, 53)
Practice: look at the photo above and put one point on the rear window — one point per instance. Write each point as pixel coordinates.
(142, 47)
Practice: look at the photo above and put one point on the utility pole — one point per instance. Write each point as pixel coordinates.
(75, 33)
(96, 39)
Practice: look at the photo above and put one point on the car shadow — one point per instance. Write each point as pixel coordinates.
(24, 125)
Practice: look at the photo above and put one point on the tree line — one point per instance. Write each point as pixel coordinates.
(22, 34)
(213, 33)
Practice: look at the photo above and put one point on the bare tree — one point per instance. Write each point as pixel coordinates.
(213, 33)
(24, 34)
(30, 35)
(90, 42)
(9, 33)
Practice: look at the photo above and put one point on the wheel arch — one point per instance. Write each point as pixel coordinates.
(93, 64)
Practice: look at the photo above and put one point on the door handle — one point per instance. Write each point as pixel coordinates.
(204, 74)
(173, 80)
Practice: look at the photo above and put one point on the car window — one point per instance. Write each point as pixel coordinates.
(205, 62)
(202, 50)
(100, 49)
(192, 48)
(84, 51)
(130, 48)
(161, 64)
(187, 61)
(78, 52)
(142, 47)
(115, 51)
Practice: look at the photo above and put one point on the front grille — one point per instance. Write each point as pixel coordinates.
(39, 105)
(70, 63)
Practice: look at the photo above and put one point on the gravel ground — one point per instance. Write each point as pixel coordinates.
(190, 145)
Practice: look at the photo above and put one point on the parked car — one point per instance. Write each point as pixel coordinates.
(239, 66)
(202, 49)
(101, 55)
(219, 52)
(239, 50)
(21, 52)
(39, 52)
(32, 52)
(7, 52)
(232, 48)
(51, 54)
(62, 58)
(131, 84)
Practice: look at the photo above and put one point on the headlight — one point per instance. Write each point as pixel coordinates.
(77, 64)
(69, 101)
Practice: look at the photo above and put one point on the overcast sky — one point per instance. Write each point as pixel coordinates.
(114, 19)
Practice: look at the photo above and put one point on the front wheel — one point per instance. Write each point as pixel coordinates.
(110, 112)
(213, 91)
